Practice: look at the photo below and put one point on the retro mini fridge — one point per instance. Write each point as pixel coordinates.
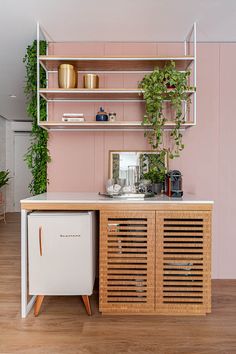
(61, 250)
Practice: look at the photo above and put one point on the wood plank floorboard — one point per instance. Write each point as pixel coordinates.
(64, 327)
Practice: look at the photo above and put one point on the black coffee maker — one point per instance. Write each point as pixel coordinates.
(173, 184)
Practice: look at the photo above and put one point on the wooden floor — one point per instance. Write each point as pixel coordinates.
(64, 327)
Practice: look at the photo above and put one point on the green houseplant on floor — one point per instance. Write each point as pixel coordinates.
(37, 155)
(4, 177)
(167, 84)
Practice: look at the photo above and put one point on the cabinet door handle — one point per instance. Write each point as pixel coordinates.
(40, 241)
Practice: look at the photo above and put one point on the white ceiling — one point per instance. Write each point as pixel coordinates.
(103, 20)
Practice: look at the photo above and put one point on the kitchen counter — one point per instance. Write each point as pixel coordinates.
(95, 198)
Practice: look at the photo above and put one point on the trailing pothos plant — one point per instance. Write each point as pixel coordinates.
(37, 155)
(167, 84)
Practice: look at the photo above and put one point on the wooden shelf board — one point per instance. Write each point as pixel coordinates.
(93, 125)
(117, 63)
(95, 94)
(87, 94)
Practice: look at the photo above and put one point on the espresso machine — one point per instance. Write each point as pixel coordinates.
(174, 184)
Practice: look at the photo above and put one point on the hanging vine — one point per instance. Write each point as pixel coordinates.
(161, 85)
(37, 155)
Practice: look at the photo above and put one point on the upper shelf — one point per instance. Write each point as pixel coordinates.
(124, 94)
(51, 63)
(105, 126)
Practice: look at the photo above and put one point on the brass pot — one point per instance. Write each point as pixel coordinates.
(67, 76)
(91, 81)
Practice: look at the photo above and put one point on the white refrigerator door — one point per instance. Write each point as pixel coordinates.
(61, 254)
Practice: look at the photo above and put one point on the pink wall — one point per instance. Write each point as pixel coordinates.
(80, 159)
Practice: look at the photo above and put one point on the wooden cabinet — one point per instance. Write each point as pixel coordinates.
(156, 262)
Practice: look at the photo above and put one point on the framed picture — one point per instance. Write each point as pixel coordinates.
(120, 160)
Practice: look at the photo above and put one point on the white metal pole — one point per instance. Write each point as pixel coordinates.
(38, 75)
(195, 70)
(46, 77)
(24, 291)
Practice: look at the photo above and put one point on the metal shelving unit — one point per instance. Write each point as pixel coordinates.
(106, 65)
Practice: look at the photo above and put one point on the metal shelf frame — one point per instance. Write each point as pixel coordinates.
(189, 59)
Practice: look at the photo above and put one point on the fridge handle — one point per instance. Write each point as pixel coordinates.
(40, 241)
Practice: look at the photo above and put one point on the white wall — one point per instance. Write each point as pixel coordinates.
(3, 148)
(12, 127)
(2, 143)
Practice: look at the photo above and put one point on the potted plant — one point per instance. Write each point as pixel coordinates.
(156, 178)
(157, 171)
(4, 178)
(167, 84)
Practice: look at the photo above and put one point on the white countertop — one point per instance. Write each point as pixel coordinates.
(64, 197)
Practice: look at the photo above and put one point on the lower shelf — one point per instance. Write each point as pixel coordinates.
(104, 126)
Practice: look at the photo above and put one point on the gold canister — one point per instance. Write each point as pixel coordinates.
(67, 76)
(91, 81)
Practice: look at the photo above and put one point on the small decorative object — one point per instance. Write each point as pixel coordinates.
(91, 81)
(112, 117)
(128, 189)
(143, 186)
(101, 116)
(112, 188)
(67, 76)
(132, 178)
(73, 117)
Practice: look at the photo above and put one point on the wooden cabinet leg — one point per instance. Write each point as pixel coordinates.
(38, 303)
(86, 302)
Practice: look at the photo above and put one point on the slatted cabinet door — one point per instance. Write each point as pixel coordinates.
(127, 258)
(183, 262)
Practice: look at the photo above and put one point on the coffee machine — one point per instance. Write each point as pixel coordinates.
(173, 184)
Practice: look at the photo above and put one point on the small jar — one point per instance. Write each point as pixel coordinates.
(91, 81)
(112, 117)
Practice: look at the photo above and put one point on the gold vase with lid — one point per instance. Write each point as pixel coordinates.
(67, 76)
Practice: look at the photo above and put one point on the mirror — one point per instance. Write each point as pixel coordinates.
(119, 162)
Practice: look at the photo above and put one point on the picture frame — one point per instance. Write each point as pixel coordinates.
(119, 160)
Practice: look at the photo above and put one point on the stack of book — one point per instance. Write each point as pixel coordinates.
(73, 117)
